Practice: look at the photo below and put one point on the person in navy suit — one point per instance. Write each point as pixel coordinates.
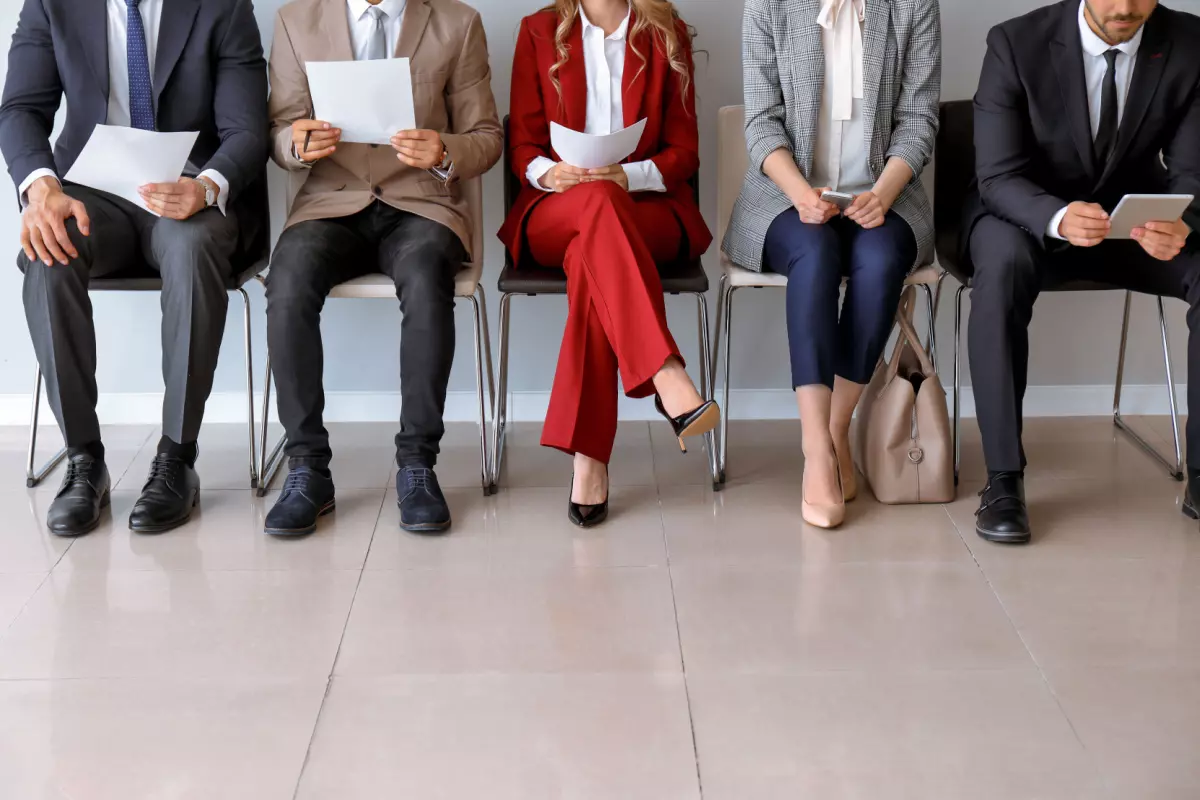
(165, 65)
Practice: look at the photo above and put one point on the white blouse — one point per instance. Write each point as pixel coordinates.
(840, 156)
(604, 58)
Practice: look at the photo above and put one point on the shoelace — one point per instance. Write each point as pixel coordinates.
(163, 469)
(296, 482)
(77, 473)
(419, 478)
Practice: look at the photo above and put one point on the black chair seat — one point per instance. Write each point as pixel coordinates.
(145, 279)
(682, 278)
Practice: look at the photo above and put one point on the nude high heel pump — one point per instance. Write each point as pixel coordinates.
(825, 516)
(849, 478)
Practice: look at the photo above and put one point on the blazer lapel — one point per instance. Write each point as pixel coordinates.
(1066, 52)
(1147, 73)
(173, 32)
(875, 41)
(633, 82)
(334, 23)
(573, 78)
(416, 16)
(92, 35)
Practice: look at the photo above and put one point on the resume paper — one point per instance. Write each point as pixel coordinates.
(370, 101)
(118, 160)
(586, 151)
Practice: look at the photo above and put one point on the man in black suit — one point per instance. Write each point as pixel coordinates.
(1079, 104)
(167, 65)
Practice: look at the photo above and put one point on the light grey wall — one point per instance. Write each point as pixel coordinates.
(1075, 336)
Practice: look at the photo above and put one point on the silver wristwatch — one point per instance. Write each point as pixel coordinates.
(210, 195)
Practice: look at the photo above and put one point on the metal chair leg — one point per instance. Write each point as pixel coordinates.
(958, 382)
(249, 387)
(500, 409)
(34, 476)
(706, 379)
(478, 323)
(270, 461)
(725, 334)
(1175, 470)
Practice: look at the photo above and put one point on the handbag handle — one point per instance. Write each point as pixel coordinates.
(904, 319)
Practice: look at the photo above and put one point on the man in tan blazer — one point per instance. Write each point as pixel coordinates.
(370, 208)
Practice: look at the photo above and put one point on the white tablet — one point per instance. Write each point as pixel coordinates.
(1135, 210)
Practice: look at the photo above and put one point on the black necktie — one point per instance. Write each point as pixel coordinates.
(1106, 137)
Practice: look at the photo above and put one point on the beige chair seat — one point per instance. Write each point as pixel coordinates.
(743, 278)
(380, 287)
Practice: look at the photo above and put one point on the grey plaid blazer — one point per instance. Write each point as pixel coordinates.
(784, 72)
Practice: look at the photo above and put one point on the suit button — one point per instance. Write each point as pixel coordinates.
(373, 146)
(377, 191)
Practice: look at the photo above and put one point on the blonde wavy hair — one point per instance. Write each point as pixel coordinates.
(660, 17)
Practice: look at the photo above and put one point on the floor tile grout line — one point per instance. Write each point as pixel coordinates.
(687, 695)
(337, 653)
(1099, 773)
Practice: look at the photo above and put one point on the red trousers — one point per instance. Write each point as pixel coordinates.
(609, 242)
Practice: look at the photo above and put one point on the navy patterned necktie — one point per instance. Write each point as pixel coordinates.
(141, 91)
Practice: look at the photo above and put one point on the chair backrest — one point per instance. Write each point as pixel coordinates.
(732, 163)
(955, 172)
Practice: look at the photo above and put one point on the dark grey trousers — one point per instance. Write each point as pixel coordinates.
(1011, 268)
(192, 256)
(421, 257)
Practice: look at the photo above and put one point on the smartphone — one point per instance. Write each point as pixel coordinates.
(840, 199)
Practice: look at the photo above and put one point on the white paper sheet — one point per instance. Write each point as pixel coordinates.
(369, 100)
(118, 160)
(586, 151)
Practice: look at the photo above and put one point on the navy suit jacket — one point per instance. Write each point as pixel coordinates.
(1033, 137)
(209, 76)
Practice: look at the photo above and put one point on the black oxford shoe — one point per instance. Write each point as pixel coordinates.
(85, 491)
(1002, 516)
(170, 494)
(423, 507)
(1191, 498)
(307, 495)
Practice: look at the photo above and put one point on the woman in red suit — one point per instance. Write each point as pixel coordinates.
(598, 66)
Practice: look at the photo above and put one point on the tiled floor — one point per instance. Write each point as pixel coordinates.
(699, 645)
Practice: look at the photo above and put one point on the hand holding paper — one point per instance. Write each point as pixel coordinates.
(368, 100)
(121, 160)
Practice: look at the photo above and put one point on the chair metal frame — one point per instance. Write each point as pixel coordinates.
(1175, 470)
(724, 334)
(35, 475)
(500, 409)
(271, 461)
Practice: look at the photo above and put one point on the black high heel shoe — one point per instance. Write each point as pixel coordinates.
(595, 514)
(696, 422)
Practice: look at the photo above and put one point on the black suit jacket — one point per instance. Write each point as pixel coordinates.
(209, 76)
(1033, 138)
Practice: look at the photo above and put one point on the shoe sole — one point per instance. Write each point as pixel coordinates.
(170, 526)
(426, 527)
(1190, 511)
(105, 501)
(328, 509)
(1004, 538)
(703, 424)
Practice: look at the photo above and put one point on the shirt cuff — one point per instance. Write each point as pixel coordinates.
(222, 184)
(34, 176)
(298, 160)
(643, 176)
(1055, 221)
(537, 170)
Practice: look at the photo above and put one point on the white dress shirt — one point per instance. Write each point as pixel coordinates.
(362, 26)
(604, 59)
(1095, 67)
(118, 81)
(840, 150)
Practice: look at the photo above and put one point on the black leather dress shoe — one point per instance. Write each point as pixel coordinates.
(171, 493)
(1191, 498)
(307, 495)
(1002, 516)
(422, 505)
(85, 491)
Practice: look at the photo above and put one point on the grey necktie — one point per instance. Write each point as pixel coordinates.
(377, 44)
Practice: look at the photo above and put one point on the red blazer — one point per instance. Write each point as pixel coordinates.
(671, 139)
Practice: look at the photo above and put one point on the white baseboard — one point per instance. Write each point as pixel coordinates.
(144, 408)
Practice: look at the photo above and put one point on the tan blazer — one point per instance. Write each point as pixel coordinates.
(452, 94)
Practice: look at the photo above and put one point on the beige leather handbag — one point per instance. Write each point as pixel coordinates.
(905, 448)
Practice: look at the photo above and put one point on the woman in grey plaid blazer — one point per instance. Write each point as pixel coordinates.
(841, 96)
